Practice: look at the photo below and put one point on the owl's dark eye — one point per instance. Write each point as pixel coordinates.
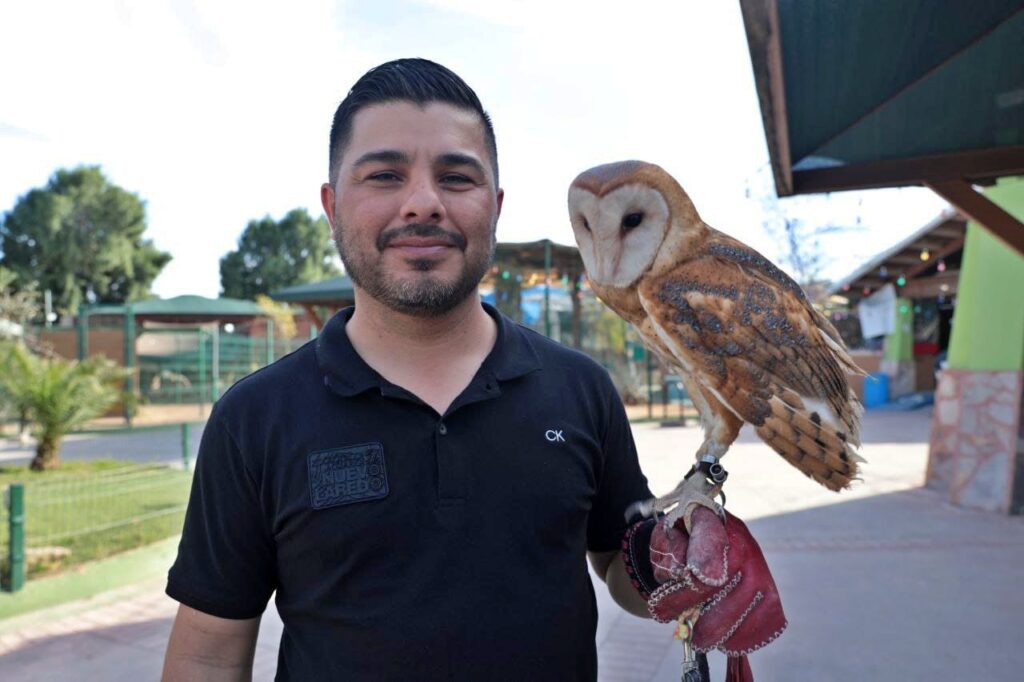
(632, 220)
(586, 225)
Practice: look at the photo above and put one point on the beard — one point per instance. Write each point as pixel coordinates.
(421, 295)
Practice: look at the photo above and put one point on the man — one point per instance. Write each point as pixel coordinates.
(421, 484)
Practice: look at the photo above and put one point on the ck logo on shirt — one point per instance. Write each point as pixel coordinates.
(346, 475)
(555, 435)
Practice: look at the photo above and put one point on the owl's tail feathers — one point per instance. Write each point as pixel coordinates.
(813, 445)
(836, 344)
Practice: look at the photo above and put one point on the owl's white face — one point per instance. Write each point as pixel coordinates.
(619, 234)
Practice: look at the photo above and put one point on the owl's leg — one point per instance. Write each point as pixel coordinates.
(697, 489)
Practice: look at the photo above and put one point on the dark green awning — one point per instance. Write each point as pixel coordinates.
(333, 292)
(879, 93)
(184, 308)
(885, 93)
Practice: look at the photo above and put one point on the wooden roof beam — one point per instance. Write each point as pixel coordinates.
(982, 210)
(972, 165)
(904, 260)
(950, 249)
(761, 21)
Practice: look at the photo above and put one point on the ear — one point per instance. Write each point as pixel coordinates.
(501, 200)
(327, 201)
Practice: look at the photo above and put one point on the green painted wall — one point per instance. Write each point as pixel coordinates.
(988, 325)
(900, 344)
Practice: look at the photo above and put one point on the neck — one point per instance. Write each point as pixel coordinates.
(375, 322)
(399, 345)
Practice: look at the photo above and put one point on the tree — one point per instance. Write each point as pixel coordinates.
(80, 236)
(800, 246)
(17, 307)
(58, 395)
(281, 314)
(275, 254)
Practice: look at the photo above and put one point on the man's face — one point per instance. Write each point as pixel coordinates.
(414, 208)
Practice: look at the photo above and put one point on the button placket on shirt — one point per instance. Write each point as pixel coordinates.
(452, 466)
(453, 460)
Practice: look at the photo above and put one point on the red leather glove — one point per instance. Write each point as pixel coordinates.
(718, 573)
(720, 570)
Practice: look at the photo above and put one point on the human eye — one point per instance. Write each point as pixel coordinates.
(456, 179)
(384, 177)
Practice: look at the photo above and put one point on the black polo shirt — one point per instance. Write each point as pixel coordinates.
(403, 544)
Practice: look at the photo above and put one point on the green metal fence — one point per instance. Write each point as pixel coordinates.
(197, 365)
(86, 514)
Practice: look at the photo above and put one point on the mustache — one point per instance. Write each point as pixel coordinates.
(427, 230)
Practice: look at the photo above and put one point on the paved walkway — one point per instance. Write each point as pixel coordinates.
(884, 582)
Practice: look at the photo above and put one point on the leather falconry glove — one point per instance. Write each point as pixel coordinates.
(716, 573)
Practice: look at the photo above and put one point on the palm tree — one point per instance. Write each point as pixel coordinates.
(58, 395)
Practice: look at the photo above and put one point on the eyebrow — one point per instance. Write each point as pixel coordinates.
(397, 157)
(382, 156)
(457, 159)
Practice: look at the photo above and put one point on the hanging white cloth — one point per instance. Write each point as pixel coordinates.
(877, 313)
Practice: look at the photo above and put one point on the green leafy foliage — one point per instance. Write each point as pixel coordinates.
(273, 254)
(57, 395)
(80, 234)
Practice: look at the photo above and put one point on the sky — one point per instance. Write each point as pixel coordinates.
(218, 113)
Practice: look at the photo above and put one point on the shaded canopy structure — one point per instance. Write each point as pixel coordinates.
(924, 265)
(177, 311)
(334, 293)
(183, 310)
(549, 258)
(876, 93)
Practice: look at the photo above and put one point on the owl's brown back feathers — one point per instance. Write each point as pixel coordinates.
(748, 334)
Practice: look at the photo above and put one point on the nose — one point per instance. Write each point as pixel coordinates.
(423, 202)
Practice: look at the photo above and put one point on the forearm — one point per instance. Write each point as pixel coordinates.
(203, 648)
(192, 668)
(609, 567)
(622, 590)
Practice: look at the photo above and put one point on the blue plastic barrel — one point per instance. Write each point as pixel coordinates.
(876, 389)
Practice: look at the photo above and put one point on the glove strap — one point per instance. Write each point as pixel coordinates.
(738, 670)
(636, 555)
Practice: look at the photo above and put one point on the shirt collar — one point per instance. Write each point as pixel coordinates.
(347, 373)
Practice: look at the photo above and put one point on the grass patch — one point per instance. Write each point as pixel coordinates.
(90, 510)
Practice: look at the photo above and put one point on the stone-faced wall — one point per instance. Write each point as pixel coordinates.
(977, 439)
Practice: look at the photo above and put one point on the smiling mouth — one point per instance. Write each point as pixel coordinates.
(421, 240)
(421, 247)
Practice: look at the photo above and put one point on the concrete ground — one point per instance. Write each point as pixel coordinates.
(883, 582)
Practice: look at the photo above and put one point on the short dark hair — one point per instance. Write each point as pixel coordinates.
(420, 81)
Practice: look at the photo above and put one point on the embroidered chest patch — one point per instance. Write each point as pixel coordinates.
(346, 475)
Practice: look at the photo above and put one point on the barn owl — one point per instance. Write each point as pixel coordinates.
(748, 345)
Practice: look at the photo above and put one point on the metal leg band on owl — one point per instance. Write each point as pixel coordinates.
(711, 467)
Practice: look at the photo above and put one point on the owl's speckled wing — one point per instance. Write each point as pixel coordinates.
(746, 333)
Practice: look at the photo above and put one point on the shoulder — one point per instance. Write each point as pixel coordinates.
(560, 362)
(271, 387)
